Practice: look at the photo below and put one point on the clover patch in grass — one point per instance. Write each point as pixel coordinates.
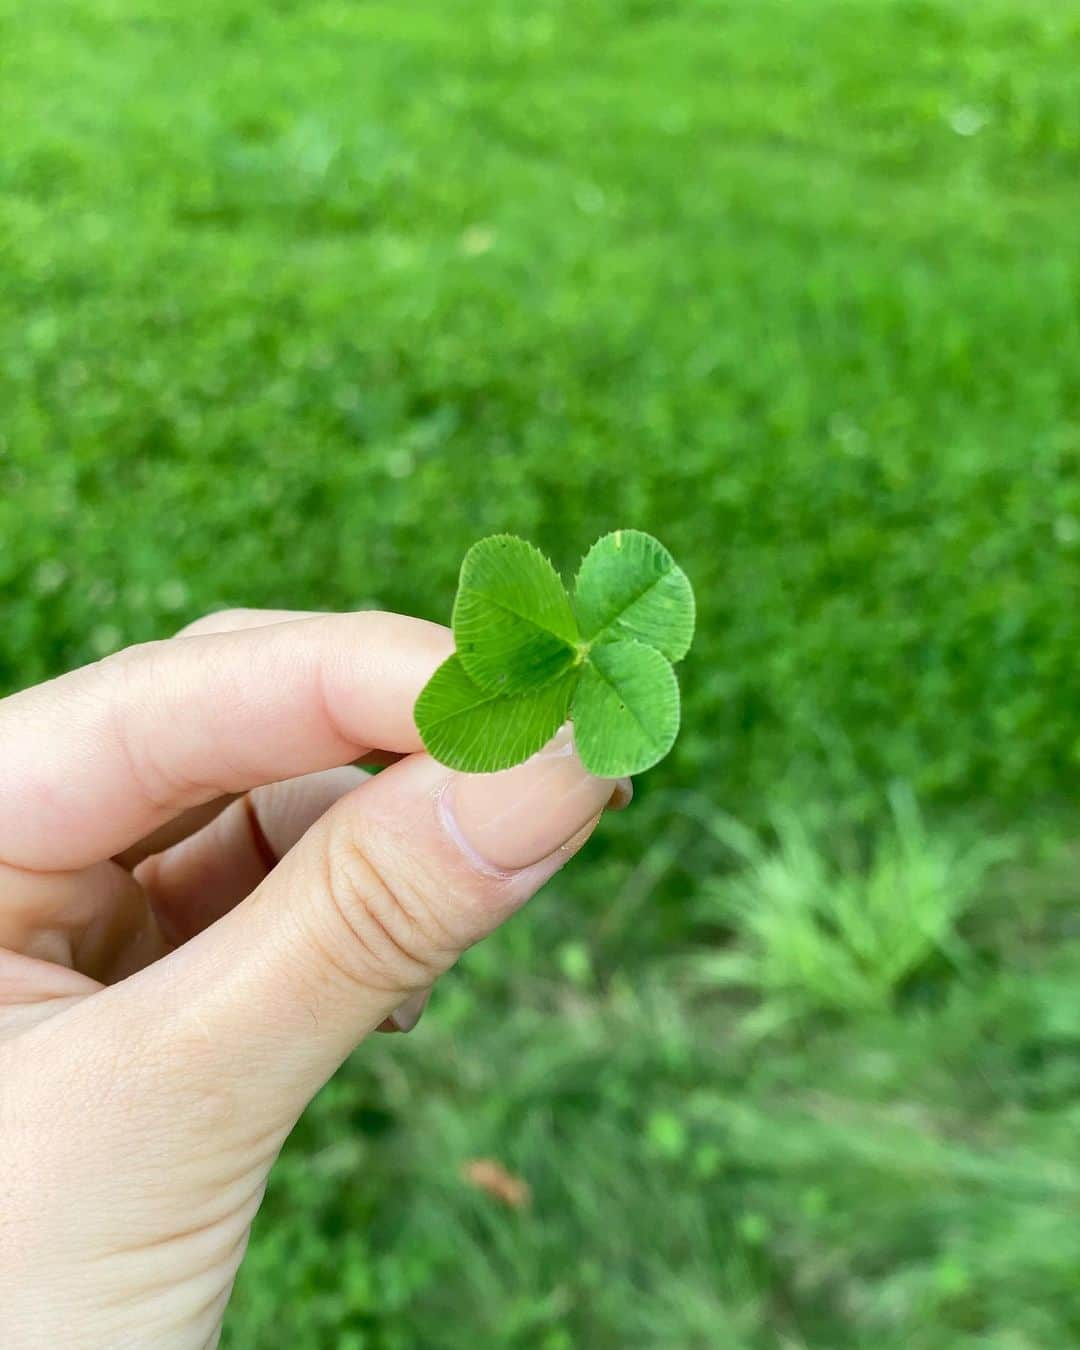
(528, 657)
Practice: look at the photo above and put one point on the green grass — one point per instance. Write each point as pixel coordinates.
(298, 300)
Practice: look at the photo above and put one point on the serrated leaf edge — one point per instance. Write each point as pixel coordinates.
(598, 639)
(584, 646)
(678, 723)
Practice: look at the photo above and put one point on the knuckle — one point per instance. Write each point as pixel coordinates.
(383, 932)
(127, 679)
(125, 663)
(216, 621)
(189, 1083)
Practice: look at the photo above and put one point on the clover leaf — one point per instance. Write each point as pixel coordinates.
(475, 730)
(513, 625)
(625, 709)
(628, 586)
(526, 658)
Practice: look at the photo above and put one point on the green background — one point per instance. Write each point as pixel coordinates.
(299, 299)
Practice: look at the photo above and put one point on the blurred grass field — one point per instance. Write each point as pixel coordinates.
(298, 299)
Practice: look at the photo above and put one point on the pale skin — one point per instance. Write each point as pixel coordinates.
(204, 908)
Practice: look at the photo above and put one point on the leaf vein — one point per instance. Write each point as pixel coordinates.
(640, 595)
(652, 739)
(517, 613)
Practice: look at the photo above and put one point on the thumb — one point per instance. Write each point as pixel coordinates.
(378, 899)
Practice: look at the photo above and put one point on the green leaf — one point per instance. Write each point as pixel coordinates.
(471, 729)
(521, 666)
(513, 625)
(625, 709)
(629, 586)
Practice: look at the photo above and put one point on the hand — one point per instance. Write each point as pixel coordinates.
(201, 914)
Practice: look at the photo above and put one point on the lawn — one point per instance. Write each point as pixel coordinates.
(297, 300)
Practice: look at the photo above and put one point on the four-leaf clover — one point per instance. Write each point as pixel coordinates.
(527, 658)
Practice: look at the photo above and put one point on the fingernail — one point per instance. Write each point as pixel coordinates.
(521, 815)
(407, 1016)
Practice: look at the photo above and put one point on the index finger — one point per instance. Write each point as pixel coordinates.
(98, 758)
